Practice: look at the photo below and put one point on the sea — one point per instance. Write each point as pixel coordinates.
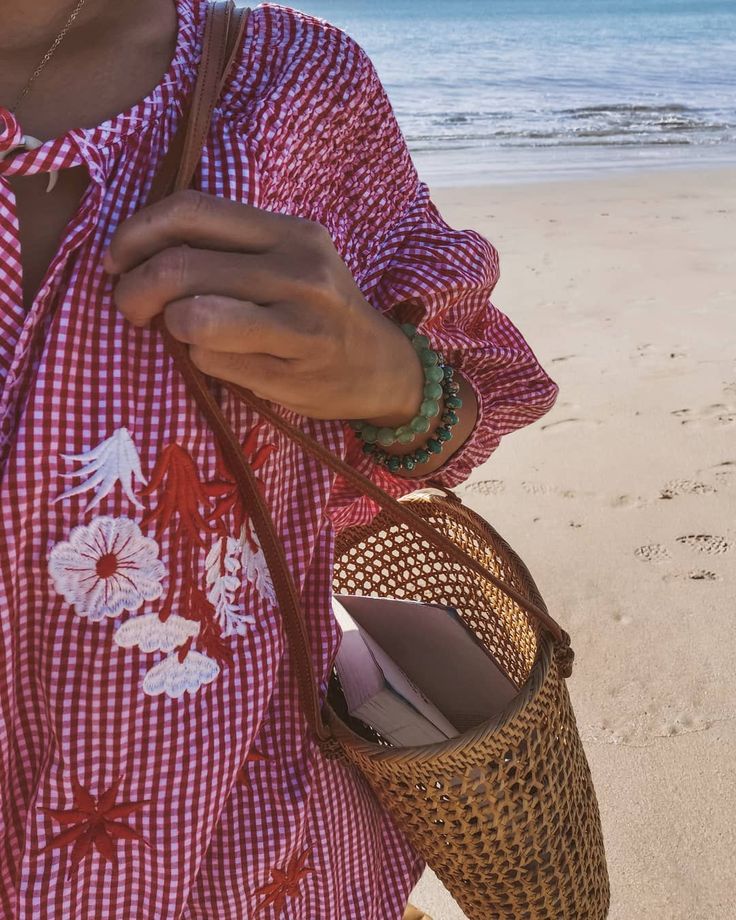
(522, 90)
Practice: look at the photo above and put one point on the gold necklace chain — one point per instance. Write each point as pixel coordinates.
(45, 59)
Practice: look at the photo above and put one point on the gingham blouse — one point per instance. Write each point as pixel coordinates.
(154, 758)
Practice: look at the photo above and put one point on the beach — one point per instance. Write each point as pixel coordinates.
(622, 502)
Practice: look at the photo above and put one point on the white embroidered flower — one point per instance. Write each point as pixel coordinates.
(106, 567)
(175, 677)
(223, 587)
(112, 460)
(148, 633)
(255, 568)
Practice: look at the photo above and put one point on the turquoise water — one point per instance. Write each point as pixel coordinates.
(517, 89)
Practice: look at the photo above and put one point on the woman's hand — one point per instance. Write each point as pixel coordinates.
(265, 301)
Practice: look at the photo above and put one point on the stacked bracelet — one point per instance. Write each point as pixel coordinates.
(438, 382)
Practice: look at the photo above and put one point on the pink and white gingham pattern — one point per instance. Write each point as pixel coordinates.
(168, 772)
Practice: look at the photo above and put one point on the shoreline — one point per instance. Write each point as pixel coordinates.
(463, 168)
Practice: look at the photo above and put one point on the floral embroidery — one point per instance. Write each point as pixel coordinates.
(223, 561)
(182, 495)
(176, 472)
(106, 567)
(227, 556)
(183, 671)
(109, 566)
(93, 823)
(285, 883)
(254, 565)
(225, 488)
(150, 634)
(113, 460)
(253, 756)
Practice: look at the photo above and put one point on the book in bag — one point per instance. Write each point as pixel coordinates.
(379, 693)
(438, 654)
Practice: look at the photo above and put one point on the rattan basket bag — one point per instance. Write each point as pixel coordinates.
(505, 813)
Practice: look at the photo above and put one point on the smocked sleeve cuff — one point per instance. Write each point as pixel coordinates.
(440, 279)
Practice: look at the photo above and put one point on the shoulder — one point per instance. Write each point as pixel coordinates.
(287, 53)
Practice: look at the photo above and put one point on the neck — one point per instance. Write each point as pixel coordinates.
(29, 28)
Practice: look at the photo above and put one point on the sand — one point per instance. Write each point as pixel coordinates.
(622, 502)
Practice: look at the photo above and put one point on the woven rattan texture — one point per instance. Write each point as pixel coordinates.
(390, 560)
(505, 814)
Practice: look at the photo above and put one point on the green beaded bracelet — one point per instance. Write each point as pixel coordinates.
(433, 379)
(438, 382)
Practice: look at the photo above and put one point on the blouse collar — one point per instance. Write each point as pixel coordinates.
(97, 146)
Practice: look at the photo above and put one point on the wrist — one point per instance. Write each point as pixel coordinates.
(405, 391)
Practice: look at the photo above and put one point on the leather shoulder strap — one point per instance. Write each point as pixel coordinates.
(216, 57)
(223, 33)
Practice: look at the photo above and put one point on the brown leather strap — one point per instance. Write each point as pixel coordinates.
(215, 58)
(221, 40)
(400, 514)
(224, 28)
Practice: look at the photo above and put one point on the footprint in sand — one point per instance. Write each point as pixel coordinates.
(723, 473)
(714, 414)
(628, 501)
(706, 543)
(725, 478)
(652, 552)
(541, 488)
(694, 575)
(486, 486)
(684, 487)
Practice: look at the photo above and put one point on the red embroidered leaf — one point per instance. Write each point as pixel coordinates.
(200, 608)
(214, 645)
(65, 817)
(83, 799)
(264, 452)
(183, 650)
(210, 635)
(124, 809)
(183, 493)
(81, 848)
(242, 778)
(229, 501)
(285, 882)
(225, 504)
(275, 894)
(224, 487)
(124, 831)
(108, 797)
(251, 439)
(64, 838)
(104, 844)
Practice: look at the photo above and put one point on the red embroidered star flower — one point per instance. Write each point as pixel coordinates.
(253, 755)
(94, 823)
(285, 883)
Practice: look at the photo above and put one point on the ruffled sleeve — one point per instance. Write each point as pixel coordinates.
(411, 265)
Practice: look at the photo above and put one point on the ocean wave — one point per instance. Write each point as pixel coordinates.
(605, 124)
(624, 107)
